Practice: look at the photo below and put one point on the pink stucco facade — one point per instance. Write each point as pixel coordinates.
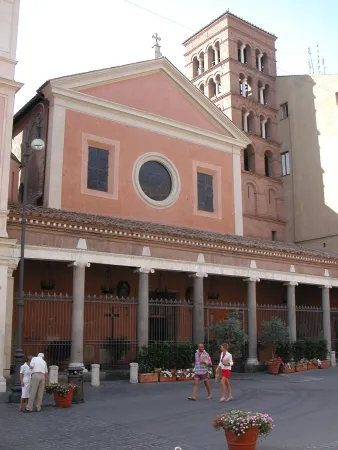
(133, 142)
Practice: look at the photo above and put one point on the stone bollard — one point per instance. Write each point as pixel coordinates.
(133, 372)
(333, 359)
(95, 380)
(53, 374)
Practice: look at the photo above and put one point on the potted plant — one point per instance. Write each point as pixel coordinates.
(274, 365)
(287, 368)
(301, 365)
(243, 428)
(146, 374)
(167, 375)
(274, 334)
(313, 364)
(231, 331)
(63, 393)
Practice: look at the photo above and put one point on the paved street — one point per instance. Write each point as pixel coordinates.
(121, 416)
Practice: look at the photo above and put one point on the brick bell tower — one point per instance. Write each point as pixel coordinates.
(233, 63)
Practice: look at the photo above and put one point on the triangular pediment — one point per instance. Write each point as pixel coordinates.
(155, 87)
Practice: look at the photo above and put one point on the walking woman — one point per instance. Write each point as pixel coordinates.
(224, 367)
(25, 380)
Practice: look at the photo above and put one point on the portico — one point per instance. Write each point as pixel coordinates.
(149, 261)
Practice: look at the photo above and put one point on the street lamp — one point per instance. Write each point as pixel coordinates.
(35, 145)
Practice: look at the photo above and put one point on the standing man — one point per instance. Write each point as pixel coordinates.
(38, 381)
(202, 362)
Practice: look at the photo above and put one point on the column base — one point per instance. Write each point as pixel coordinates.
(252, 362)
(76, 365)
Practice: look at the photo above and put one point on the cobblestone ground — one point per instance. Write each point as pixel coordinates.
(121, 416)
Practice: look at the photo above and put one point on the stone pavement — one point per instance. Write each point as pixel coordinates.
(120, 416)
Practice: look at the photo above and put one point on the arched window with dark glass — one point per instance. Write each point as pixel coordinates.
(246, 160)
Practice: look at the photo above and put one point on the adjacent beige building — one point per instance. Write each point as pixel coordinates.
(308, 133)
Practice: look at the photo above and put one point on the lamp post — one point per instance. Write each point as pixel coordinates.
(35, 145)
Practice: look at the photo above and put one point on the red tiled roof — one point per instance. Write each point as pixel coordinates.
(78, 218)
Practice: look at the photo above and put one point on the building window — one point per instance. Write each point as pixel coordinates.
(155, 180)
(274, 235)
(284, 111)
(285, 164)
(97, 169)
(205, 192)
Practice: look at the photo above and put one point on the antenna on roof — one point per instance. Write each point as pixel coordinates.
(310, 62)
(318, 61)
(157, 46)
(324, 67)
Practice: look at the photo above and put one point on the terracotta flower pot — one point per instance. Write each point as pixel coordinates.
(63, 402)
(286, 370)
(301, 368)
(273, 369)
(148, 378)
(311, 366)
(326, 364)
(247, 441)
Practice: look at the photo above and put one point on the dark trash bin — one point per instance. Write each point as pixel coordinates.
(75, 376)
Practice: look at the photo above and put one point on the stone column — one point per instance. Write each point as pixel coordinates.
(143, 307)
(198, 308)
(263, 129)
(245, 122)
(216, 55)
(133, 373)
(326, 316)
(242, 53)
(200, 66)
(260, 56)
(291, 300)
(218, 86)
(79, 277)
(261, 96)
(244, 83)
(252, 320)
(9, 317)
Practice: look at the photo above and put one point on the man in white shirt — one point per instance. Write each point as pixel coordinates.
(38, 381)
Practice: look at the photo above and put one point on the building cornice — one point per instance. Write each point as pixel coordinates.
(79, 223)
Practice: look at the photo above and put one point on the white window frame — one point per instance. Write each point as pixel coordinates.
(285, 158)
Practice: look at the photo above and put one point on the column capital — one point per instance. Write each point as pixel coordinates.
(144, 270)
(291, 283)
(81, 264)
(252, 280)
(198, 275)
(327, 286)
(12, 265)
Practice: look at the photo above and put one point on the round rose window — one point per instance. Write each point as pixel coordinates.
(155, 181)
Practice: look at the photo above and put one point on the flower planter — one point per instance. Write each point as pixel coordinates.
(247, 441)
(286, 370)
(326, 364)
(167, 379)
(63, 401)
(273, 369)
(311, 366)
(148, 378)
(301, 368)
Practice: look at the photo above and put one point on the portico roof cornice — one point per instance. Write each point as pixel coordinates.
(147, 232)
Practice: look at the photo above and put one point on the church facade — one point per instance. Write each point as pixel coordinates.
(136, 231)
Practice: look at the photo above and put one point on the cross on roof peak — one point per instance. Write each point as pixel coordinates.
(156, 37)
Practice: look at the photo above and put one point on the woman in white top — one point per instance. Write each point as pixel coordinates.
(25, 379)
(224, 367)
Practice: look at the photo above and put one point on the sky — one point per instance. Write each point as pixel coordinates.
(62, 37)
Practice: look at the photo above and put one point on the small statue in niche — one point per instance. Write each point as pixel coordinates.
(123, 289)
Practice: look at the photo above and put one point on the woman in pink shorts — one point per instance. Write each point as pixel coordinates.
(224, 367)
